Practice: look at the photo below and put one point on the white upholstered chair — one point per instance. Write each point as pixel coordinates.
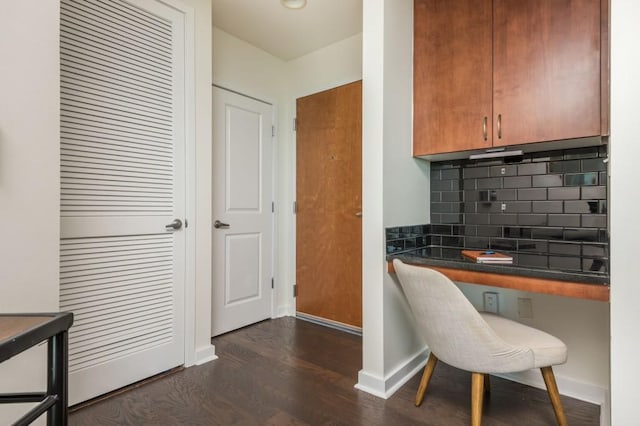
(482, 343)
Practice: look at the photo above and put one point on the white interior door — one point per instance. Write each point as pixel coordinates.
(242, 209)
(122, 182)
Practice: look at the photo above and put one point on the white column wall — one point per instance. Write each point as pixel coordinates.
(625, 227)
(29, 178)
(371, 377)
(199, 349)
(395, 192)
(406, 184)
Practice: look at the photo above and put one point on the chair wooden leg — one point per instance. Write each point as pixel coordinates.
(487, 384)
(426, 376)
(477, 383)
(554, 395)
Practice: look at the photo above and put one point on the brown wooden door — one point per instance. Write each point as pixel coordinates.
(452, 75)
(546, 61)
(329, 205)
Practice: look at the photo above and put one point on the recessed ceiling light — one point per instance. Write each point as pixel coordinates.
(294, 4)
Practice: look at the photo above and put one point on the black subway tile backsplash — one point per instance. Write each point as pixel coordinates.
(547, 207)
(532, 169)
(546, 180)
(572, 166)
(593, 165)
(532, 219)
(503, 219)
(594, 221)
(475, 172)
(477, 219)
(548, 210)
(517, 182)
(489, 231)
(581, 206)
(532, 194)
(578, 153)
(594, 192)
(488, 183)
(564, 220)
(581, 179)
(451, 218)
(564, 193)
(450, 174)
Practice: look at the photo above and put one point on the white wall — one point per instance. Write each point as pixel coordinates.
(29, 177)
(406, 198)
(239, 66)
(247, 69)
(394, 192)
(334, 65)
(244, 68)
(199, 349)
(625, 227)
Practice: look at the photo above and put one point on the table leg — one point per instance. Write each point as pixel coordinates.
(57, 362)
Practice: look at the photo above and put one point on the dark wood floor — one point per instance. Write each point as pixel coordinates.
(291, 372)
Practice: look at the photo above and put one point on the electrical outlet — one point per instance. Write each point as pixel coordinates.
(491, 302)
(525, 308)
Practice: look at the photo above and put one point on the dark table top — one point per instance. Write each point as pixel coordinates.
(19, 332)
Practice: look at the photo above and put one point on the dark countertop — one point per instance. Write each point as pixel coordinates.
(467, 265)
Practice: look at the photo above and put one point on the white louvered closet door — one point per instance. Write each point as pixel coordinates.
(122, 182)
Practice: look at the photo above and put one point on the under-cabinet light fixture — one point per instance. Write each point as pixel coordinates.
(495, 154)
(294, 4)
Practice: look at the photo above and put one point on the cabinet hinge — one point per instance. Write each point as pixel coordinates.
(295, 290)
(273, 207)
(295, 124)
(272, 283)
(273, 131)
(295, 207)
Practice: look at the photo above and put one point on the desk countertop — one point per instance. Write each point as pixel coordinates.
(577, 285)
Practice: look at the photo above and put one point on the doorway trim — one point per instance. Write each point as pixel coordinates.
(193, 355)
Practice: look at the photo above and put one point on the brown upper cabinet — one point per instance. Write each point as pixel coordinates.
(491, 73)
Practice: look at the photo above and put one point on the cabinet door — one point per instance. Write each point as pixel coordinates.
(546, 70)
(452, 75)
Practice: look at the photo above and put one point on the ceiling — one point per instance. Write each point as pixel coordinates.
(287, 33)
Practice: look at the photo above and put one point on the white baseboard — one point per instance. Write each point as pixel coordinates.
(568, 387)
(284, 311)
(205, 354)
(387, 386)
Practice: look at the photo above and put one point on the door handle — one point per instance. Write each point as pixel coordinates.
(217, 224)
(359, 214)
(175, 225)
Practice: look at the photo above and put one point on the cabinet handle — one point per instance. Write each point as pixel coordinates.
(484, 127)
(499, 126)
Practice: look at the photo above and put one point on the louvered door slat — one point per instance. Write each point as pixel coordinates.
(121, 181)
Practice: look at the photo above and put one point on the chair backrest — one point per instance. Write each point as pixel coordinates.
(452, 328)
